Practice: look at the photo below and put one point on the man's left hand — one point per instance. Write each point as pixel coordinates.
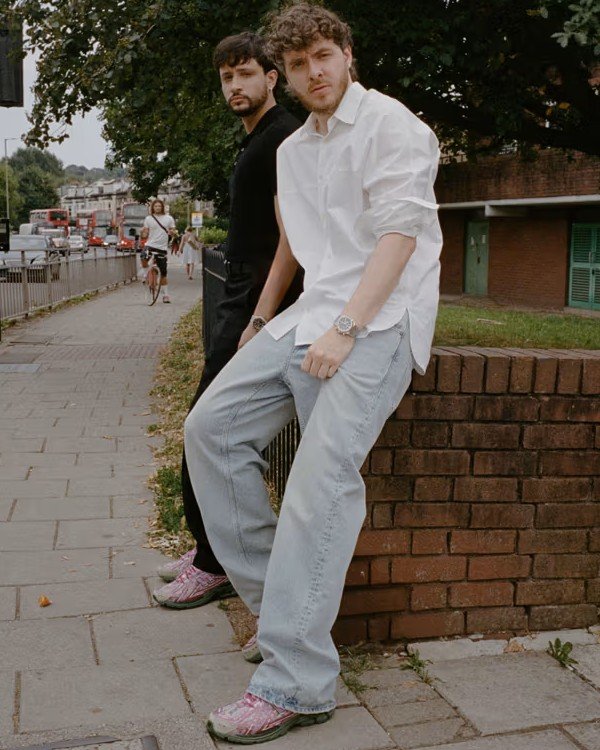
(324, 357)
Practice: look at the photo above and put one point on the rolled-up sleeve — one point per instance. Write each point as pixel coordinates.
(399, 174)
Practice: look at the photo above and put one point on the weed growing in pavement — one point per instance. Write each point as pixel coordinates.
(561, 652)
(355, 660)
(419, 666)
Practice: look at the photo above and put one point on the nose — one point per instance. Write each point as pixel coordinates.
(314, 68)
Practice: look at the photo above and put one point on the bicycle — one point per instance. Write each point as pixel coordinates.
(153, 280)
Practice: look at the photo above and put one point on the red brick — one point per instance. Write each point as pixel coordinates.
(381, 461)
(382, 515)
(496, 619)
(448, 373)
(427, 569)
(505, 463)
(428, 596)
(535, 540)
(497, 372)
(435, 407)
(558, 515)
(569, 409)
(547, 489)
(521, 373)
(380, 571)
(478, 489)
(569, 375)
(419, 515)
(394, 435)
(566, 566)
(430, 434)
(502, 516)
(592, 593)
(506, 408)
(430, 542)
(378, 628)
(570, 463)
(432, 489)
(485, 435)
(596, 489)
(358, 573)
(364, 469)
(550, 592)
(472, 372)
(561, 617)
(367, 601)
(427, 625)
(425, 382)
(558, 436)
(349, 630)
(499, 566)
(392, 542)
(426, 462)
(388, 488)
(591, 376)
(471, 541)
(546, 369)
(481, 594)
(594, 540)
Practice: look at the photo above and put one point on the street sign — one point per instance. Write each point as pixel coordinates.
(197, 219)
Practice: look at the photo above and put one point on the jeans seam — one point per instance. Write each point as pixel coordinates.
(318, 568)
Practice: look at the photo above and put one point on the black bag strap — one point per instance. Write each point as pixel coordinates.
(159, 224)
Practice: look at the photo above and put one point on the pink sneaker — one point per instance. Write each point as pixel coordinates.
(251, 651)
(169, 571)
(252, 719)
(193, 588)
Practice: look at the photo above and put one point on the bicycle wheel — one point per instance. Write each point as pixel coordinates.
(153, 282)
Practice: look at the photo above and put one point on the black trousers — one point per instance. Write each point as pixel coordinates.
(232, 316)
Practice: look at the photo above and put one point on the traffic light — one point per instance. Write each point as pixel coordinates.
(11, 67)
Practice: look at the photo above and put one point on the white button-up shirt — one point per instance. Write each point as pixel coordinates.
(371, 174)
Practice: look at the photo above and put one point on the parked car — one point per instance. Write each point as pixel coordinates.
(111, 240)
(34, 247)
(77, 243)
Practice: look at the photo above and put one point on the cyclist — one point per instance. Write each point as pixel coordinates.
(157, 231)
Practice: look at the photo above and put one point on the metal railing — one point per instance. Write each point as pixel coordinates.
(27, 287)
(281, 451)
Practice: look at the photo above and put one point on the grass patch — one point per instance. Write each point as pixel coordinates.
(469, 324)
(177, 378)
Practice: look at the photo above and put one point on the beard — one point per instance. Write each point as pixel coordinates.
(338, 89)
(251, 104)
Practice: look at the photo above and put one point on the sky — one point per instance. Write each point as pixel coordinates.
(84, 146)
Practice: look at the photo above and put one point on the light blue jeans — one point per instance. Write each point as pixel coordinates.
(291, 571)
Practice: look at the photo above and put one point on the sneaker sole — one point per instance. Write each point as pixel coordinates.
(300, 720)
(219, 592)
(253, 657)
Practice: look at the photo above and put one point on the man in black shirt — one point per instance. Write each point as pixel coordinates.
(248, 78)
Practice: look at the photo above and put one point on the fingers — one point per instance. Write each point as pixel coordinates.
(318, 368)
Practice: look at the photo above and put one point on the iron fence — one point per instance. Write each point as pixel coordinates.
(26, 287)
(281, 451)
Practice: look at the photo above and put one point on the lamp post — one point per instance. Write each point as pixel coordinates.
(6, 174)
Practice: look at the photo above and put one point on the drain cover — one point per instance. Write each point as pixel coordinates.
(100, 743)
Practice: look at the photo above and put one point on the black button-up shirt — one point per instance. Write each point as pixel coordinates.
(253, 231)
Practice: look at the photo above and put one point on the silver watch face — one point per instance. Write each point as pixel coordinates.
(344, 324)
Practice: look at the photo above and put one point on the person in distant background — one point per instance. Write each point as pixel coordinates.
(189, 247)
(158, 228)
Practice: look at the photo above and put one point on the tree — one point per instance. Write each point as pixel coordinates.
(14, 197)
(36, 190)
(24, 158)
(482, 74)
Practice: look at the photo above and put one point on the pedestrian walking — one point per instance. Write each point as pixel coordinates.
(356, 200)
(189, 248)
(248, 78)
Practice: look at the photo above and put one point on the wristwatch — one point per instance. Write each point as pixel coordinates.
(346, 326)
(258, 322)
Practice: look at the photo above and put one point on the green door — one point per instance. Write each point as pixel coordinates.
(476, 258)
(584, 272)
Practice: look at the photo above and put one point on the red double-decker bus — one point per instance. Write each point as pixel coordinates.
(50, 218)
(131, 223)
(96, 225)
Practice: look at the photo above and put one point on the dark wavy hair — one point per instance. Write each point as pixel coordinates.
(239, 48)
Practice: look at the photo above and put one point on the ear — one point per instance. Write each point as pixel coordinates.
(272, 77)
(348, 55)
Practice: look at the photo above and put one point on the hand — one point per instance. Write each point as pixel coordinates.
(248, 333)
(328, 352)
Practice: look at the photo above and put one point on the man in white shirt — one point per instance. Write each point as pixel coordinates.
(358, 212)
(158, 228)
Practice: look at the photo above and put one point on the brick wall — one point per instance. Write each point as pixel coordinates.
(483, 501)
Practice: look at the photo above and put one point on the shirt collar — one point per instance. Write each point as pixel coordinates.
(265, 120)
(346, 112)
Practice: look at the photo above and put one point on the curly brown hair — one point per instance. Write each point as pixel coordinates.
(299, 24)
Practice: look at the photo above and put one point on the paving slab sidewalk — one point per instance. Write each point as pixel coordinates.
(102, 661)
